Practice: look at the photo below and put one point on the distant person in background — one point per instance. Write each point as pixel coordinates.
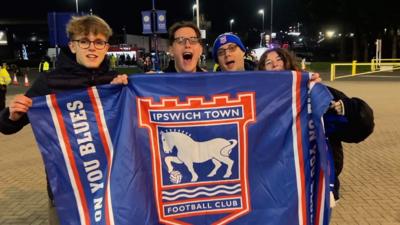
(5, 80)
(147, 64)
(216, 67)
(83, 65)
(348, 120)
(44, 66)
(185, 48)
(128, 60)
(113, 61)
(121, 60)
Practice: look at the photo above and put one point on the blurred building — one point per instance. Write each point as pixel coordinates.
(23, 41)
(26, 42)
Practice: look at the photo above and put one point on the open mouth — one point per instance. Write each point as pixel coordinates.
(229, 63)
(91, 56)
(187, 56)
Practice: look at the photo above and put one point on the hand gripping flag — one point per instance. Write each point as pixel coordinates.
(237, 148)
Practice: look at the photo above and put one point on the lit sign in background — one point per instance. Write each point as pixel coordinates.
(3, 37)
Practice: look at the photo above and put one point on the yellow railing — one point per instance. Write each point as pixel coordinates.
(375, 63)
(354, 65)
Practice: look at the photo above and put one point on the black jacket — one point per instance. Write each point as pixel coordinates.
(355, 126)
(171, 68)
(68, 75)
(248, 66)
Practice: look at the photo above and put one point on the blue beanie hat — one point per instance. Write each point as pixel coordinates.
(224, 39)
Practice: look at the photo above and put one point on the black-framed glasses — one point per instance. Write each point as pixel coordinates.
(85, 43)
(230, 48)
(183, 40)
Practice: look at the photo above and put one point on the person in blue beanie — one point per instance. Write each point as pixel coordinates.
(229, 52)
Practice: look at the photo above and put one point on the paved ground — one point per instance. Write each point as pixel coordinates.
(370, 181)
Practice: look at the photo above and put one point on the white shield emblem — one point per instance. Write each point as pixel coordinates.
(199, 151)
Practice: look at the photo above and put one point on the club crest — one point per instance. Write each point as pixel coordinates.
(199, 156)
(222, 40)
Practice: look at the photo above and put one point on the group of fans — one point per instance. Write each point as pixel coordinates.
(85, 64)
(348, 119)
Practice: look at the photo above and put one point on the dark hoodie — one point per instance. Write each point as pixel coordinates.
(68, 75)
(355, 126)
(171, 68)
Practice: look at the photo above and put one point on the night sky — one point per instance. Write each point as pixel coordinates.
(358, 22)
(119, 13)
(344, 16)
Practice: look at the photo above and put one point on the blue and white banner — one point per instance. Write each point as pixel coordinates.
(57, 22)
(209, 148)
(161, 21)
(146, 21)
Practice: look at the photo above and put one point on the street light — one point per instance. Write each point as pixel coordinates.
(194, 8)
(76, 6)
(330, 33)
(261, 11)
(272, 7)
(230, 24)
(197, 8)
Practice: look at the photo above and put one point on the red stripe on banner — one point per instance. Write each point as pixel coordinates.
(71, 158)
(319, 197)
(99, 123)
(300, 147)
(107, 151)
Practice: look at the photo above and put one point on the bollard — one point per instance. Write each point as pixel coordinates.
(372, 64)
(353, 67)
(303, 64)
(333, 67)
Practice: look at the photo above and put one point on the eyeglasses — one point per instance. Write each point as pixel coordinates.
(230, 48)
(85, 43)
(183, 40)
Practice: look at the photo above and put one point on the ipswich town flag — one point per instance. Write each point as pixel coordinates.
(209, 148)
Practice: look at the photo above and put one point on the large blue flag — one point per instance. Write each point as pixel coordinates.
(209, 148)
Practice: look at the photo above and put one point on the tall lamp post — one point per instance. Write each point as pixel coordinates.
(198, 14)
(76, 6)
(230, 24)
(272, 7)
(261, 11)
(193, 9)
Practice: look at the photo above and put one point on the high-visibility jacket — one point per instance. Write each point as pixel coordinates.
(216, 67)
(44, 66)
(5, 78)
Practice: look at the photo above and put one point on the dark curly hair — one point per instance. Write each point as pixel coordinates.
(288, 58)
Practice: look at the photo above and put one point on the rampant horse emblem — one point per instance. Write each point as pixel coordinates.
(199, 156)
(191, 151)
